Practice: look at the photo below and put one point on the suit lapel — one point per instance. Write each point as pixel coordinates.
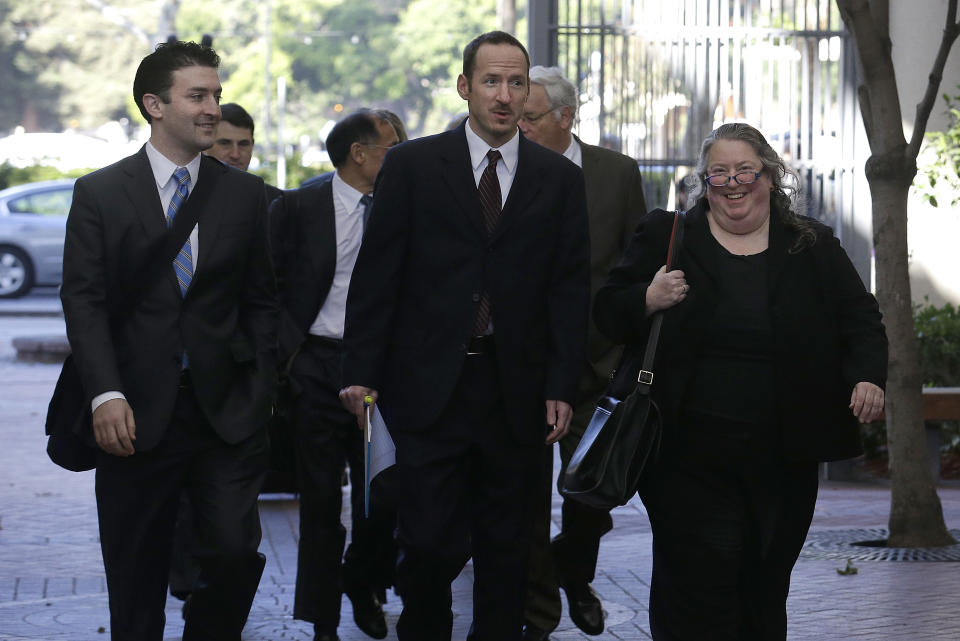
(321, 231)
(212, 215)
(777, 256)
(527, 182)
(591, 166)
(142, 191)
(457, 173)
(700, 248)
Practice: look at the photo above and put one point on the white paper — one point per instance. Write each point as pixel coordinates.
(382, 449)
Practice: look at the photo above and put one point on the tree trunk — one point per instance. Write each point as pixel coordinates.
(916, 516)
(507, 15)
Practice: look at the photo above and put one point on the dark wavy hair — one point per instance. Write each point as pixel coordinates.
(155, 73)
(237, 116)
(785, 196)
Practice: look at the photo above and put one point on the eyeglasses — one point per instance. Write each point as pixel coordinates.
(535, 118)
(742, 178)
(373, 144)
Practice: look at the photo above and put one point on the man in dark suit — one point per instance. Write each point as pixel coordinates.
(181, 385)
(233, 145)
(317, 233)
(466, 323)
(615, 205)
(384, 114)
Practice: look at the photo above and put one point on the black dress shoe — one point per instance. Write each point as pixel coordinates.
(585, 608)
(326, 637)
(533, 633)
(368, 613)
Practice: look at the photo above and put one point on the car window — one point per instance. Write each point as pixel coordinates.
(55, 202)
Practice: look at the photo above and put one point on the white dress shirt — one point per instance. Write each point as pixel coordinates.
(163, 169)
(348, 212)
(574, 153)
(506, 167)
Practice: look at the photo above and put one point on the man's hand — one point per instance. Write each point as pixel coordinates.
(113, 427)
(867, 402)
(353, 397)
(558, 417)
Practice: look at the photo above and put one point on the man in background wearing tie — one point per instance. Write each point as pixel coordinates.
(316, 235)
(233, 145)
(615, 205)
(182, 384)
(467, 321)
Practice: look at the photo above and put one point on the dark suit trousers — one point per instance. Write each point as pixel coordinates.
(572, 555)
(137, 502)
(465, 488)
(729, 519)
(328, 438)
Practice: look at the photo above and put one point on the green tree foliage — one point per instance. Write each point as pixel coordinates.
(70, 63)
(940, 167)
(938, 334)
(74, 65)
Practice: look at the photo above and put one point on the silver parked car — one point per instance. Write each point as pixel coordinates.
(33, 219)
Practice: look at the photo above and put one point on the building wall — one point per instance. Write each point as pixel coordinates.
(934, 233)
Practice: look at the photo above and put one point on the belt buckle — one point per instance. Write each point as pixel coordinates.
(645, 377)
(480, 343)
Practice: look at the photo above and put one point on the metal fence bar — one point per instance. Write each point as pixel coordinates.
(655, 77)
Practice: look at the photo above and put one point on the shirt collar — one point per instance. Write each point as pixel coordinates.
(163, 167)
(348, 196)
(509, 151)
(574, 152)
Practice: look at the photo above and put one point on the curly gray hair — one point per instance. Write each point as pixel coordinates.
(785, 196)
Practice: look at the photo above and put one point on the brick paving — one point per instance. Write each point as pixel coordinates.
(52, 586)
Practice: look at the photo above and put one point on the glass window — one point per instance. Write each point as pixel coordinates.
(55, 202)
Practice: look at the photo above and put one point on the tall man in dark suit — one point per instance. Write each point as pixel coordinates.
(180, 386)
(317, 233)
(466, 323)
(233, 145)
(614, 204)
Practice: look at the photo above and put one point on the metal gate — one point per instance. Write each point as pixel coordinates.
(656, 76)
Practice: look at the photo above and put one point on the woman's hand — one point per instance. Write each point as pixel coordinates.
(866, 402)
(666, 290)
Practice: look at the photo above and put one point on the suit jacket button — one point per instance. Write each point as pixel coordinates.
(476, 298)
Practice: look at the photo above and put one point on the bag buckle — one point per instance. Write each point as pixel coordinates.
(645, 377)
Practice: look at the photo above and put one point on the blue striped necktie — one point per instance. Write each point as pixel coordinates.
(183, 263)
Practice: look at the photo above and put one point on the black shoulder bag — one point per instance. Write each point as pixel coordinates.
(69, 419)
(622, 440)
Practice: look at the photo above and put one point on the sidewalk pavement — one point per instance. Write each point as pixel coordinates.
(52, 585)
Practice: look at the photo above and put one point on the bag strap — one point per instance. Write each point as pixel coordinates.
(166, 248)
(645, 377)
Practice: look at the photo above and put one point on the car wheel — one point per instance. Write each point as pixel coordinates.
(16, 272)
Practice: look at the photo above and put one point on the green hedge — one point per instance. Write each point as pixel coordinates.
(11, 176)
(938, 334)
(938, 339)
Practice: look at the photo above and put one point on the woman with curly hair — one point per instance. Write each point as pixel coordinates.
(771, 351)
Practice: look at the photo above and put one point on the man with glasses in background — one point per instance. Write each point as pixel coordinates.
(615, 205)
(316, 234)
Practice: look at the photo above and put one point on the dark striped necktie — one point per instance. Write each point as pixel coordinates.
(367, 201)
(490, 197)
